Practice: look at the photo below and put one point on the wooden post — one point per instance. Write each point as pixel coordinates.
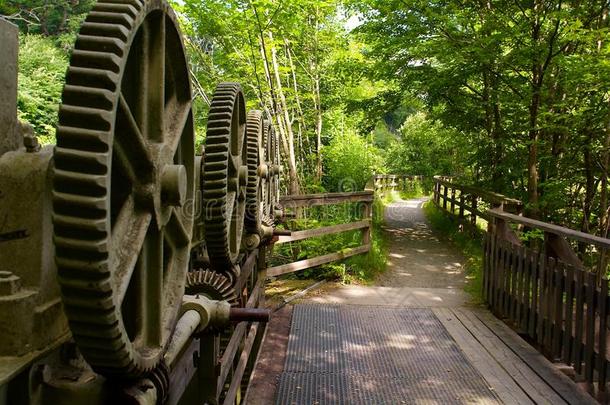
(462, 203)
(367, 214)
(473, 212)
(445, 190)
(453, 201)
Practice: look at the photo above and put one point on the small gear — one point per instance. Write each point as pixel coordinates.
(161, 380)
(211, 284)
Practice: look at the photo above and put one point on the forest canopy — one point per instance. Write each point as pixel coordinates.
(511, 96)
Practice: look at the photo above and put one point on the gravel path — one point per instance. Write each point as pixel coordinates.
(417, 257)
(423, 271)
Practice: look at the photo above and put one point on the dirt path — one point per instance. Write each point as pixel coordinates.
(417, 257)
(423, 271)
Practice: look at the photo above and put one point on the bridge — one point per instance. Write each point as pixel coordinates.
(416, 337)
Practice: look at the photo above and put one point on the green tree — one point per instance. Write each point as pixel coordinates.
(42, 67)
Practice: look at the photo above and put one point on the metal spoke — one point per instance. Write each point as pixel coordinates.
(177, 117)
(150, 289)
(130, 144)
(156, 78)
(176, 232)
(127, 235)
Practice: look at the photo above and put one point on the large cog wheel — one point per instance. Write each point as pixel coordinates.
(123, 169)
(225, 177)
(256, 182)
(272, 183)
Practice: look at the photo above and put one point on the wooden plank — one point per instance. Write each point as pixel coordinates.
(325, 230)
(496, 376)
(549, 310)
(533, 319)
(311, 200)
(542, 300)
(241, 366)
(489, 196)
(518, 287)
(578, 322)
(590, 328)
(543, 368)
(603, 331)
(569, 316)
(558, 309)
(486, 256)
(554, 229)
(527, 290)
(521, 373)
(236, 339)
(316, 261)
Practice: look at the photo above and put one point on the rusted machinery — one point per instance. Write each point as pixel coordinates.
(126, 259)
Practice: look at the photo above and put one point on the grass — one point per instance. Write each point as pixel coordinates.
(468, 244)
(357, 269)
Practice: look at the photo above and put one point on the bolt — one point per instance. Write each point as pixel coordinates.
(252, 241)
(30, 141)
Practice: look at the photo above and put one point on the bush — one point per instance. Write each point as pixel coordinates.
(360, 268)
(350, 162)
(42, 67)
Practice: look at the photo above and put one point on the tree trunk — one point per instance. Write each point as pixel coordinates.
(293, 180)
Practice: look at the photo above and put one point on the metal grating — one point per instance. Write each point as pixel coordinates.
(375, 355)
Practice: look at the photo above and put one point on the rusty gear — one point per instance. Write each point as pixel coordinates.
(225, 176)
(213, 285)
(123, 166)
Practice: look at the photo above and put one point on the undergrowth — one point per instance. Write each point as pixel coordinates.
(467, 243)
(361, 268)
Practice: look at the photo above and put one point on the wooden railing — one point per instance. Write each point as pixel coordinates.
(292, 203)
(546, 292)
(471, 202)
(538, 284)
(383, 183)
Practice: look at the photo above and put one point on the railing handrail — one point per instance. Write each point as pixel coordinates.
(486, 195)
(364, 226)
(552, 228)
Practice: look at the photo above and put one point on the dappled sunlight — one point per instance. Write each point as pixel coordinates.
(377, 355)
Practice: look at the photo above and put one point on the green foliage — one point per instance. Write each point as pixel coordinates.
(357, 268)
(42, 67)
(350, 162)
(426, 147)
(470, 247)
(49, 18)
(519, 91)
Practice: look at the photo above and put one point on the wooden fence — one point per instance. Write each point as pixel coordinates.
(547, 293)
(541, 287)
(364, 198)
(471, 202)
